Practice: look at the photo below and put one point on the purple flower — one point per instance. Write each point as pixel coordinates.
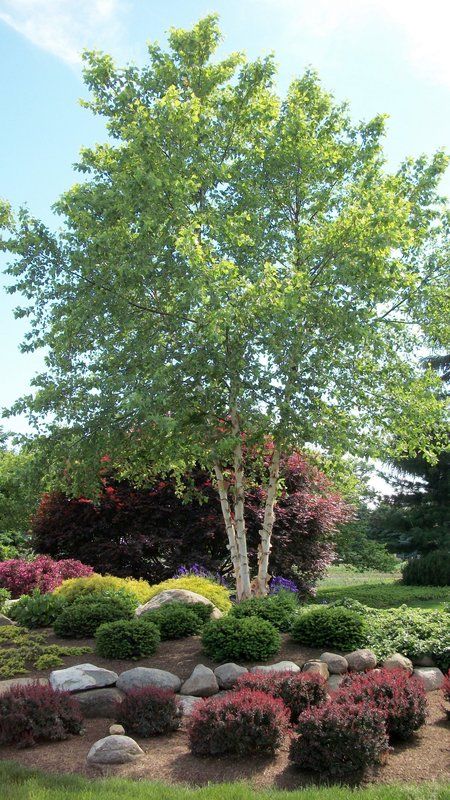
(278, 584)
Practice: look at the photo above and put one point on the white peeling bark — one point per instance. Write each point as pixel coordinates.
(229, 527)
(239, 504)
(267, 526)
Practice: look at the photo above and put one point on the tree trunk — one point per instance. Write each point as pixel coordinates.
(239, 505)
(230, 528)
(267, 527)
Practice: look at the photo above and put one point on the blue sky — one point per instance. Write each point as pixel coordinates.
(388, 56)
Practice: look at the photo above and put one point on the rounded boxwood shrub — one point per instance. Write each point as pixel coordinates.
(432, 569)
(399, 696)
(339, 740)
(175, 620)
(280, 609)
(127, 638)
(330, 627)
(29, 714)
(149, 711)
(242, 723)
(37, 610)
(247, 639)
(297, 690)
(82, 618)
(74, 588)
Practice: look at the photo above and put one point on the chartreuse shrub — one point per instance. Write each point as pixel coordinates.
(82, 617)
(242, 723)
(37, 610)
(148, 712)
(432, 569)
(29, 714)
(341, 628)
(76, 587)
(297, 690)
(21, 649)
(207, 587)
(127, 638)
(280, 609)
(177, 620)
(340, 739)
(248, 639)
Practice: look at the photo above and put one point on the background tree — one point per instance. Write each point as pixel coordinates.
(233, 269)
(19, 497)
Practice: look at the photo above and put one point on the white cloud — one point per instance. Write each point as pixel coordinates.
(65, 27)
(421, 28)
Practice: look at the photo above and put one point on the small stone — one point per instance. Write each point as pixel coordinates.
(281, 666)
(82, 676)
(99, 703)
(187, 703)
(337, 665)
(227, 674)
(139, 677)
(397, 661)
(114, 750)
(5, 620)
(316, 666)
(202, 682)
(334, 681)
(431, 677)
(360, 660)
(116, 730)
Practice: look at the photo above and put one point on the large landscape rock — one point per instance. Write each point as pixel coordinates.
(202, 682)
(337, 665)
(114, 750)
(81, 677)
(99, 703)
(334, 682)
(318, 667)
(187, 703)
(431, 677)
(6, 685)
(139, 677)
(397, 661)
(5, 620)
(424, 660)
(281, 666)
(227, 674)
(360, 660)
(177, 596)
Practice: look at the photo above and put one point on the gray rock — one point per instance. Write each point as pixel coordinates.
(397, 661)
(187, 703)
(281, 666)
(316, 666)
(431, 677)
(6, 685)
(202, 682)
(227, 674)
(425, 660)
(360, 660)
(99, 703)
(334, 681)
(80, 677)
(337, 665)
(177, 596)
(114, 750)
(139, 677)
(116, 730)
(5, 620)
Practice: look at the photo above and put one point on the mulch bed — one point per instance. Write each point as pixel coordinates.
(167, 758)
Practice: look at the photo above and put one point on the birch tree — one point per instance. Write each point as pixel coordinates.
(234, 271)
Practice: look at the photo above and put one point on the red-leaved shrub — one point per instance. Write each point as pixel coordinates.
(297, 690)
(399, 696)
(243, 722)
(446, 687)
(149, 711)
(22, 577)
(340, 739)
(33, 713)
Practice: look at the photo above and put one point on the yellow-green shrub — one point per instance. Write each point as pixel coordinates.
(76, 587)
(218, 595)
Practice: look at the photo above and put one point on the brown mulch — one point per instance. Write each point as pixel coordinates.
(167, 758)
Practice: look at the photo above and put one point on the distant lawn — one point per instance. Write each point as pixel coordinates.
(18, 783)
(379, 589)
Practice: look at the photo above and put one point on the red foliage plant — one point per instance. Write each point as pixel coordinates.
(22, 577)
(243, 723)
(149, 711)
(33, 713)
(400, 697)
(149, 532)
(298, 690)
(446, 687)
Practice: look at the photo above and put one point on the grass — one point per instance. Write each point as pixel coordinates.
(379, 589)
(19, 783)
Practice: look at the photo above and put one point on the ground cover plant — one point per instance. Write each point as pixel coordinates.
(414, 632)
(149, 711)
(246, 639)
(127, 638)
(378, 590)
(29, 714)
(298, 690)
(21, 650)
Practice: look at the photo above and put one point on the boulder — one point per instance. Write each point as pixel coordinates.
(227, 674)
(397, 661)
(424, 660)
(5, 620)
(360, 660)
(99, 703)
(116, 730)
(139, 677)
(334, 682)
(82, 676)
(316, 666)
(177, 596)
(114, 750)
(281, 666)
(337, 665)
(431, 677)
(187, 703)
(6, 685)
(202, 682)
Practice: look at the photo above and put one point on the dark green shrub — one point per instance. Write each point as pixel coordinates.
(149, 711)
(430, 570)
(330, 627)
(279, 609)
(127, 638)
(84, 616)
(247, 639)
(176, 620)
(37, 610)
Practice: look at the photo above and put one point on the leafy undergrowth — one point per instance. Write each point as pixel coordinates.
(19, 783)
(378, 590)
(22, 650)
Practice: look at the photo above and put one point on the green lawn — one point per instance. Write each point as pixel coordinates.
(17, 783)
(379, 589)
